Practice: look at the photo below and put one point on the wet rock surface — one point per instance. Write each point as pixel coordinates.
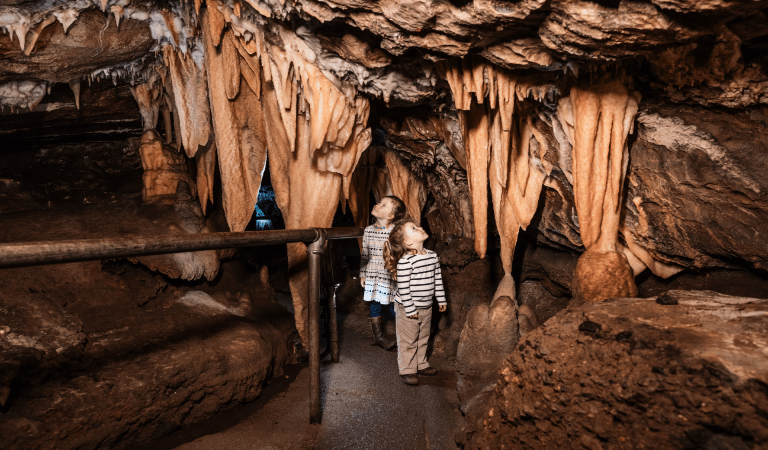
(632, 373)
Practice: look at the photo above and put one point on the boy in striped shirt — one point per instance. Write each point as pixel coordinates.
(419, 279)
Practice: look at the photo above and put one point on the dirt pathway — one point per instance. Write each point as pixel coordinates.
(365, 406)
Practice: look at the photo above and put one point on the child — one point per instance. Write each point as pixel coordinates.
(374, 277)
(418, 276)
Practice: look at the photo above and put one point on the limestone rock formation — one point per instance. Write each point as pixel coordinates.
(188, 218)
(625, 135)
(164, 169)
(490, 334)
(684, 370)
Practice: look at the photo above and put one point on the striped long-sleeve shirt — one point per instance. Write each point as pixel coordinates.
(418, 279)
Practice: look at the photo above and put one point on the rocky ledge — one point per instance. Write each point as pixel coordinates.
(686, 369)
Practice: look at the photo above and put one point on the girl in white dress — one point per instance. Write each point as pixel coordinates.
(376, 280)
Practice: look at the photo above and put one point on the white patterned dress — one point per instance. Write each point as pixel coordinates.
(379, 286)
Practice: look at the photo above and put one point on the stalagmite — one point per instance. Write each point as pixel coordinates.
(191, 99)
(411, 188)
(239, 132)
(602, 117)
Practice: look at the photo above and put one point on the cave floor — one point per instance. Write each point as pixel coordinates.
(365, 405)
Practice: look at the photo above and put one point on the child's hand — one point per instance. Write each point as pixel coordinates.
(362, 281)
(414, 317)
(442, 308)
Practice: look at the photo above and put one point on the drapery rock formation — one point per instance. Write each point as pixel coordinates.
(400, 53)
(598, 118)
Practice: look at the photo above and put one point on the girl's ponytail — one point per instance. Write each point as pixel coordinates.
(394, 248)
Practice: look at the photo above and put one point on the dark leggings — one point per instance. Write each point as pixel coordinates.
(376, 309)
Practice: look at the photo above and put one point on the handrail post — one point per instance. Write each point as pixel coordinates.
(333, 333)
(315, 251)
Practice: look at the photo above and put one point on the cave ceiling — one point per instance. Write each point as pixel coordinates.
(387, 48)
(698, 71)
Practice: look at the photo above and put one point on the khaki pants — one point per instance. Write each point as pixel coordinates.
(412, 340)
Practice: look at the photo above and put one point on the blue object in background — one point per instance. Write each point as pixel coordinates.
(266, 214)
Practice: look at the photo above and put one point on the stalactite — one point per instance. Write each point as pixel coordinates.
(633, 249)
(170, 22)
(230, 63)
(361, 184)
(602, 115)
(408, 186)
(316, 134)
(311, 202)
(216, 23)
(190, 92)
(501, 143)
(206, 167)
(281, 70)
(118, 12)
(382, 185)
(20, 26)
(167, 121)
(476, 142)
(75, 86)
(66, 17)
(147, 95)
(34, 34)
(315, 129)
(239, 133)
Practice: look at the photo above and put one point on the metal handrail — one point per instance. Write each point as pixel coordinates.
(54, 252)
(20, 254)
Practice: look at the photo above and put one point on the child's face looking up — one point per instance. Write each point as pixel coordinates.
(413, 236)
(384, 209)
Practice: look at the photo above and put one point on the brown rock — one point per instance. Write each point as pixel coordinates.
(633, 372)
(600, 276)
(60, 57)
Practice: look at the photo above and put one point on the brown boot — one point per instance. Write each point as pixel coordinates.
(378, 334)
